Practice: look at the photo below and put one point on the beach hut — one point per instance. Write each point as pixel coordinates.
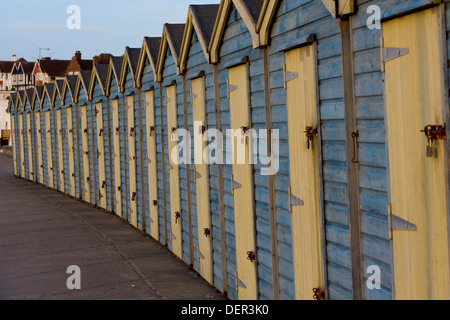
(12, 103)
(39, 118)
(132, 123)
(151, 137)
(50, 164)
(175, 177)
(61, 135)
(198, 81)
(113, 91)
(101, 113)
(239, 86)
(72, 135)
(87, 185)
(28, 106)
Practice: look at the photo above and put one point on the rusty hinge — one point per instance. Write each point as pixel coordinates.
(239, 282)
(193, 96)
(234, 185)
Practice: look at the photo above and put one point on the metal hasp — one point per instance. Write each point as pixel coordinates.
(151, 130)
(207, 232)
(177, 216)
(133, 196)
(310, 133)
(434, 132)
(103, 184)
(355, 136)
(131, 132)
(155, 203)
(319, 294)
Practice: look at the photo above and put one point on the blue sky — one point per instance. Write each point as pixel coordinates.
(107, 26)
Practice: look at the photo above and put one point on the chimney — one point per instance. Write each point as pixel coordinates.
(78, 55)
(14, 57)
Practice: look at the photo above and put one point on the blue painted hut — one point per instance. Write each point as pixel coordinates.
(200, 114)
(152, 165)
(177, 223)
(50, 164)
(113, 91)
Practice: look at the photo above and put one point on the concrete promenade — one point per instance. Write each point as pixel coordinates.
(43, 232)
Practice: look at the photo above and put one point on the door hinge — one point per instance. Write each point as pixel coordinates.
(239, 282)
(390, 53)
(293, 200)
(234, 185)
(199, 254)
(397, 223)
(230, 88)
(193, 96)
(288, 76)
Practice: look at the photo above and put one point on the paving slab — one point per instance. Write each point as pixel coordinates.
(43, 232)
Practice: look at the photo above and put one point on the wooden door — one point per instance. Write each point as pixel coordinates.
(242, 184)
(132, 161)
(300, 76)
(49, 149)
(151, 164)
(85, 151)
(101, 155)
(116, 157)
(418, 186)
(40, 167)
(59, 150)
(174, 171)
(71, 152)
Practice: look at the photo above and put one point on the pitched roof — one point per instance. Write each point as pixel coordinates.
(175, 37)
(39, 90)
(86, 77)
(27, 67)
(49, 89)
(60, 86)
(29, 93)
(117, 66)
(133, 58)
(54, 68)
(153, 45)
(254, 8)
(205, 15)
(71, 83)
(102, 73)
(6, 66)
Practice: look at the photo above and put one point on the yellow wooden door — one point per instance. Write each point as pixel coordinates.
(85, 150)
(204, 250)
(304, 171)
(101, 155)
(151, 164)
(22, 147)
(242, 184)
(174, 171)
(414, 99)
(116, 157)
(49, 149)
(60, 150)
(29, 147)
(132, 160)
(13, 143)
(40, 167)
(71, 153)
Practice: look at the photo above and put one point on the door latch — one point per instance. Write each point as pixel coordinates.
(310, 133)
(251, 256)
(319, 294)
(434, 132)
(206, 232)
(177, 216)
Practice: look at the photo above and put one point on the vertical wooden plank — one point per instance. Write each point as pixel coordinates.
(30, 148)
(40, 167)
(60, 150)
(174, 171)
(98, 112)
(13, 143)
(220, 179)
(22, 147)
(417, 182)
(71, 153)
(204, 250)
(132, 160)
(86, 190)
(116, 157)
(271, 179)
(304, 175)
(243, 195)
(143, 194)
(49, 150)
(352, 168)
(152, 164)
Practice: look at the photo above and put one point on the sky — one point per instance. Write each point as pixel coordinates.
(107, 26)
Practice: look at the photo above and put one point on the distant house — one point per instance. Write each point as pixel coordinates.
(22, 75)
(5, 74)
